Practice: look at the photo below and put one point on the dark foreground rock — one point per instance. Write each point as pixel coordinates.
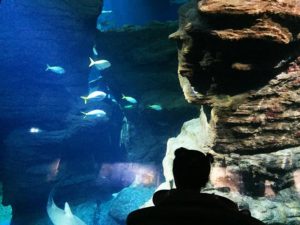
(34, 34)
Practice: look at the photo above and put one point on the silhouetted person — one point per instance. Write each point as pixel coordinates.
(185, 205)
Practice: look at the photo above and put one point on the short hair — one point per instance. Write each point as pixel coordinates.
(191, 168)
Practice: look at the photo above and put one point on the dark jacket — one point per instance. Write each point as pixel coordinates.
(190, 208)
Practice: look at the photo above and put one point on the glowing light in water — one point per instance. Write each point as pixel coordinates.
(34, 130)
(126, 174)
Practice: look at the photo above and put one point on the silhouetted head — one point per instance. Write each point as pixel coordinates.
(191, 169)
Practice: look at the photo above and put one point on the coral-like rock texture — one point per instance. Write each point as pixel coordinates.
(240, 61)
(253, 7)
(263, 29)
(269, 119)
(241, 58)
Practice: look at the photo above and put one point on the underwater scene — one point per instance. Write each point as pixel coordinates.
(96, 96)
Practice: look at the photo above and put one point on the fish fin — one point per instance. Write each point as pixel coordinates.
(67, 210)
(92, 62)
(85, 99)
(84, 115)
(48, 67)
(95, 50)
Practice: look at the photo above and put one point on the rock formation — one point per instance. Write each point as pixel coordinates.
(68, 146)
(34, 33)
(241, 60)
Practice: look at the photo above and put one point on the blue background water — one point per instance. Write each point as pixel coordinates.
(141, 12)
(36, 33)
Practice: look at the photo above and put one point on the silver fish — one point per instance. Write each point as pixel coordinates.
(56, 69)
(59, 216)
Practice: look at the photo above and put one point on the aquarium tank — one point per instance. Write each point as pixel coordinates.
(96, 95)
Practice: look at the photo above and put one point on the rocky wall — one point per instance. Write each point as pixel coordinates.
(35, 33)
(240, 60)
(144, 67)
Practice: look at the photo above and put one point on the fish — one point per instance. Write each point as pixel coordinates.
(114, 100)
(61, 216)
(56, 69)
(94, 113)
(109, 96)
(96, 79)
(129, 99)
(95, 52)
(34, 130)
(155, 107)
(100, 64)
(106, 11)
(100, 95)
(128, 106)
(114, 195)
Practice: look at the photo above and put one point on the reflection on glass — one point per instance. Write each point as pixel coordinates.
(226, 177)
(296, 177)
(126, 174)
(269, 192)
(53, 170)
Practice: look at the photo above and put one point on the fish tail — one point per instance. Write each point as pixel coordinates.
(84, 115)
(92, 62)
(48, 67)
(123, 96)
(84, 98)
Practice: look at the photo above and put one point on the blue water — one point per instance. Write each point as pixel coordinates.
(141, 12)
(51, 139)
(5, 222)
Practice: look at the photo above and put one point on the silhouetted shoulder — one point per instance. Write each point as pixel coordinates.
(165, 197)
(186, 205)
(190, 208)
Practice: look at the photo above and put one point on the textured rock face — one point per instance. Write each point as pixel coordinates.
(257, 7)
(216, 46)
(241, 60)
(267, 184)
(262, 29)
(267, 120)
